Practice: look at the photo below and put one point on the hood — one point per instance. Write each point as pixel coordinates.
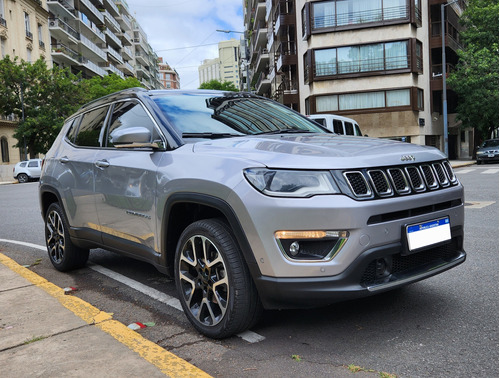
(318, 151)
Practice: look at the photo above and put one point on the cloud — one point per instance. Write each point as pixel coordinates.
(173, 26)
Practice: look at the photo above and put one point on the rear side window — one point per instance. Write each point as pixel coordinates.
(358, 130)
(126, 115)
(337, 127)
(33, 163)
(349, 128)
(23, 164)
(90, 128)
(73, 128)
(321, 121)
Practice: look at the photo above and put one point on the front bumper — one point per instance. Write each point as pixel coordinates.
(363, 277)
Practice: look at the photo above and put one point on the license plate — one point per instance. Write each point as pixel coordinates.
(491, 155)
(428, 233)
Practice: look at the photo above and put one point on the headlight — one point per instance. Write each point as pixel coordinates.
(283, 183)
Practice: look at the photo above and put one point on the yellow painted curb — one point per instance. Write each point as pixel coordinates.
(168, 363)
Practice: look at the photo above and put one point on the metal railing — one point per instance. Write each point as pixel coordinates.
(366, 65)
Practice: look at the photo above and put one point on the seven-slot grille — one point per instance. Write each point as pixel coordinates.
(390, 181)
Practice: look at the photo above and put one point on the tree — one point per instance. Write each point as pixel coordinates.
(475, 79)
(222, 86)
(101, 86)
(42, 98)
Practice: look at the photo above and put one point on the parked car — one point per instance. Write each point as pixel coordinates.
(246, 203)
(488, 151)
(25, 171)
(337, 124)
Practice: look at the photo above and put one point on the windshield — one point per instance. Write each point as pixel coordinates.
(225, 115)
(490, 143)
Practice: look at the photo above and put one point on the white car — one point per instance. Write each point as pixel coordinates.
(25, 171)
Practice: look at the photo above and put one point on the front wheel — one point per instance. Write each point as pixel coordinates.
(63, 254)
(213, 281)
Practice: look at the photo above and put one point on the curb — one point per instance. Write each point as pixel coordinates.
(168, 363)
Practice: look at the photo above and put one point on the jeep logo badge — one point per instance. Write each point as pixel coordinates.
(408, 158)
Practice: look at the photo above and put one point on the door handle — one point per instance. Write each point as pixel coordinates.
(64, 160)
(102, 164)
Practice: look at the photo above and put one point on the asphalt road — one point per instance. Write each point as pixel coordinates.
(446, 326)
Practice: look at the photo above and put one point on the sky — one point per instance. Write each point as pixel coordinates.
(173, 26)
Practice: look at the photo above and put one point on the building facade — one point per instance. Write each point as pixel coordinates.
(169, 77)
(377, 61)
(24, 33)
(224, 68)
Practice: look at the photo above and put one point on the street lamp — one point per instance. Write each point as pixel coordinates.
(247, 61)
(443, 59)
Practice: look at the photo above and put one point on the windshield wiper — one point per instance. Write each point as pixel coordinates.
(284, 131)
(209, 135)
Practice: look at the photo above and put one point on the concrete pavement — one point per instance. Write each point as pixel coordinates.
(46, 333)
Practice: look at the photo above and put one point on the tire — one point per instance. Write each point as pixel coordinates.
(22, 178)
(478, 162)
(213, 282)
(63, 254)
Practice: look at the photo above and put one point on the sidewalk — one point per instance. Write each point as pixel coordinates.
(44, 332)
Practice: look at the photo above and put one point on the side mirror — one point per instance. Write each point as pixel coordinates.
(132, 137)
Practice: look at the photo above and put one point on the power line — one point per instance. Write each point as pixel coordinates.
(188, 47)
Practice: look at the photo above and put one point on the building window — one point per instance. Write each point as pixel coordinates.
(364, 58)
(4, 144)
(27, 25)
(337, 13)
(381, 100)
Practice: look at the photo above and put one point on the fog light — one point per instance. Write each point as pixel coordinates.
(294, 248)
(311, 245)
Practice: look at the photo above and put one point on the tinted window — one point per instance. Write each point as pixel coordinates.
(358, 130)
(321, 121)
(337, 127)
(72, 129)
(129, 114)
(90, 128)
(33, 163)
(230, 114)
(349, 128)
(23, 164)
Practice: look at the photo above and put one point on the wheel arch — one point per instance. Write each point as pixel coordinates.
(182, 209)
(48, 195)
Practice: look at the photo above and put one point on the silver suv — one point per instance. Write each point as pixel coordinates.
(246, 203)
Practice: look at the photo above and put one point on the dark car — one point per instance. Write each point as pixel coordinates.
(488, 151)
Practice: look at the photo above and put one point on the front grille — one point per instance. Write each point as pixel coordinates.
(411, 263)
(373, 183)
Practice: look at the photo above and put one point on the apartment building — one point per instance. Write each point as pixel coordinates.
(168, 76)
(99, 37)
(224, 68)
(377, 61)
(24, 33)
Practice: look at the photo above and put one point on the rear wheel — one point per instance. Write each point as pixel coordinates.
(22, 178)
(213, 281)
(63, 254)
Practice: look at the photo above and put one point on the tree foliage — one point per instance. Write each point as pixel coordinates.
(48, 97)
(475, 79)
(101, 86)
(42, 98)
(222, 86)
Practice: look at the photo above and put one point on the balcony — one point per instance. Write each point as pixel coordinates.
(41, 44)
(141, 58)
(91, 66)
(90, 27)
(451, 34)
(62, 31)
(110, 68)
(124, 22)
(115, 55)
(263, 83)
(63, 53)
(259, 37)
(127, 68)
(112, 38)
(3, 22)
(93, 10)
(111, 6)
(93, 49)
(287, 55)
(127, 54)
(262, 59)
(29, 35)
(62, 8)
(111, 22)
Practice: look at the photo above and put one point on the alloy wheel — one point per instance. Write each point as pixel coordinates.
(203, 280)
(55, 237)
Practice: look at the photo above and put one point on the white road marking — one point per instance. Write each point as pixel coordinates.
(477, 204)
(464, 170)
(490, 171)
(248, 336)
